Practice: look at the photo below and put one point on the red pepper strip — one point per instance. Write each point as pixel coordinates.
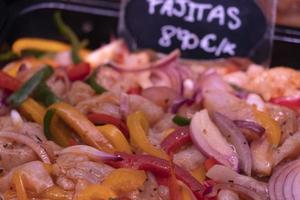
(8, 82)
(79, 72)
(101, 119)
(209, 163)
(160, 168)
(290, 102)
(176, 139)
(135, 90)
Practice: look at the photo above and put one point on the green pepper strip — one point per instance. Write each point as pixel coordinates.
(25, 91)
(181, 121)
(9, 55)
(47, 123)
(67, 32)
(44, 95)
(93, 83)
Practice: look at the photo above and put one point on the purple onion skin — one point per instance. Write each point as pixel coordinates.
(252, 126)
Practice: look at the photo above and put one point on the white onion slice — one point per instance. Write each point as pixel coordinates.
(223, 174)
(208, 139)
(92, 153)
(37, 148)
(236, 138)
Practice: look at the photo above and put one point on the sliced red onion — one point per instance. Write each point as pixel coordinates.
(20, 138)
(223, 174)
(285, 182)
(177, 104)
(89, 151)
(176, 78)
(173, 56)
(237, 139)
(208, 139)
(239, 189)
(252, 126)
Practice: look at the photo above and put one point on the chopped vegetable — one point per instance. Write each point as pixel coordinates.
(33, 110)
(138, 127)
(44, 94)
(125, 180)
(70, 35)
(181, 121)
(27, 88)
(79, 71)
(19, 185)
(93, 83)
(176, 139)
(161, 168)
(102, 119)
(115, 137)
(290, 102)
(273, 130)
(88, 133)
(9, 55)
(8, 82)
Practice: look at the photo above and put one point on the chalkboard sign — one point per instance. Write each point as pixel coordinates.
(201, 29)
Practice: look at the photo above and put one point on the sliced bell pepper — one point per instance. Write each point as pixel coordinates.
(209, 163)
(92, 192)
(115, 137)
(19, 185)
(161, 168)
(181, 121)
(290, 102)
(79, 71)
(135, 90)
(27, 88)
(138, 127)
(68, 33)
(44, 95)
(8, 82)
(88, 133)
(9, 55)
(102, 119)
(55, 129)
(176, 139)
(92, 81)
(271, 126)
(42, 45)
(125, 180)
(199, 173)
(33, 110)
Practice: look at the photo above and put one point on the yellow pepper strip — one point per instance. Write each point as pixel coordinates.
(12, 68)
(272, 127)
(19, 185)
(81, 126)
(33, 110)
(185, 194)
(95, 192)
(42, 45)
(56, 193)
(138, 127)
(199, 173)
(125, 180)
(115, 137)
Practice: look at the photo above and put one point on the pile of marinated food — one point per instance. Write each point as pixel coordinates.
(113, 124)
